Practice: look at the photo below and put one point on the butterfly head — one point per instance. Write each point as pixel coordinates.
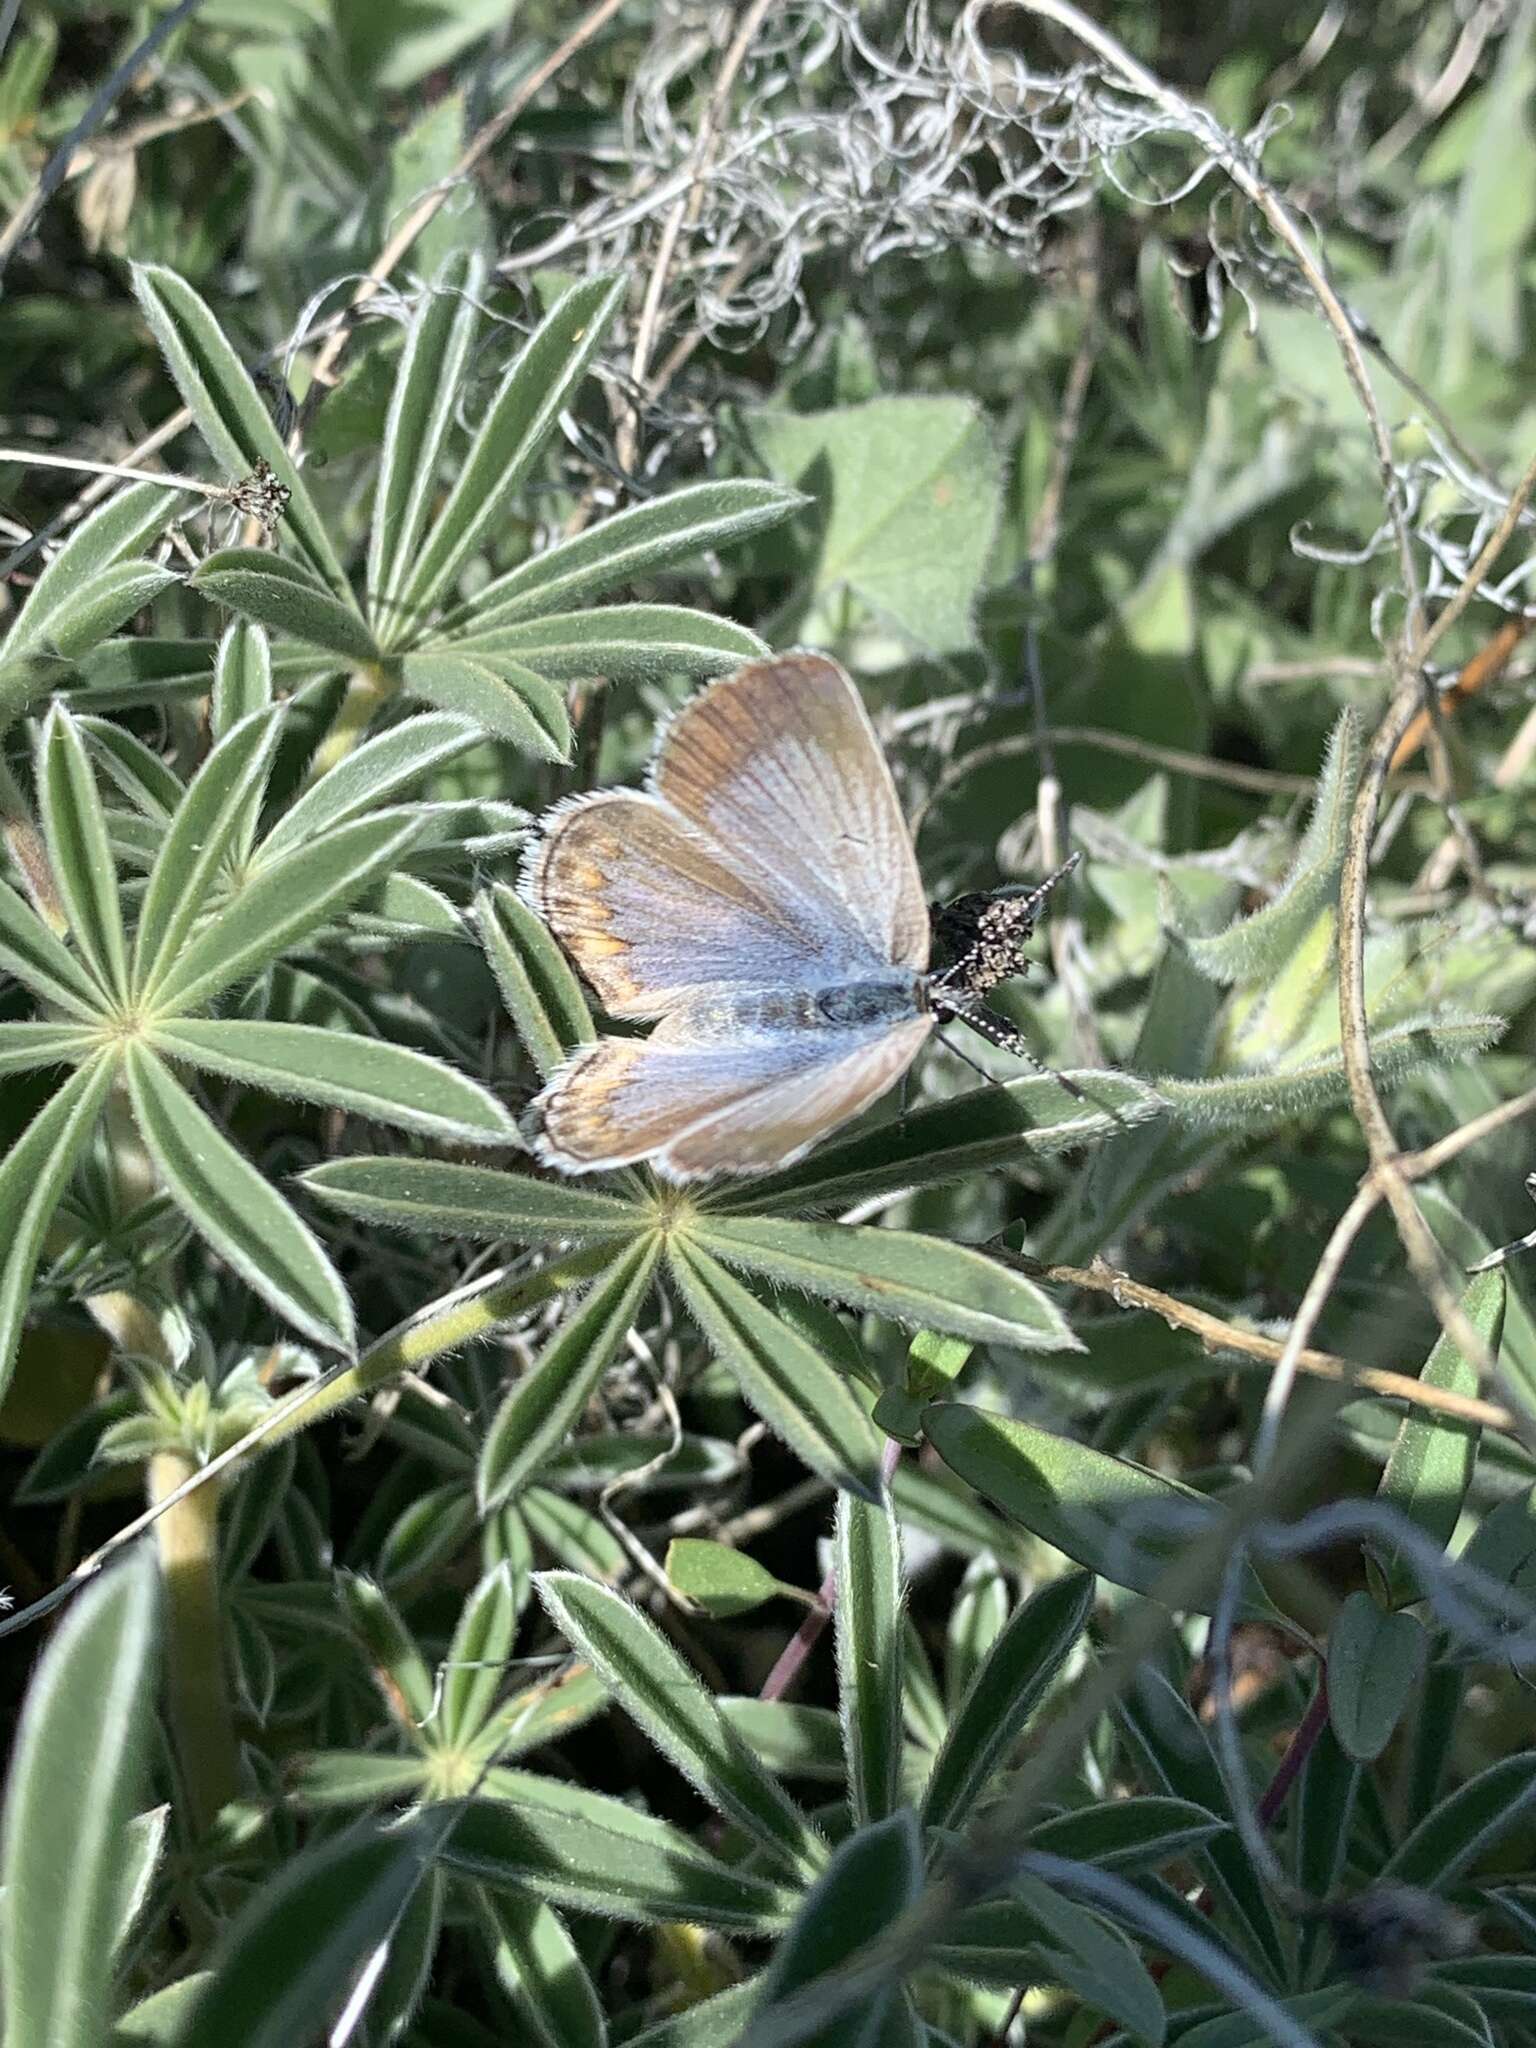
(979, 939)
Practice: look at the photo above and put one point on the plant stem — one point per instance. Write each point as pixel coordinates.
(201, 1722)
(366, 690)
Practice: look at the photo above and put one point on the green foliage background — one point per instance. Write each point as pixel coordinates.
(445, 1550)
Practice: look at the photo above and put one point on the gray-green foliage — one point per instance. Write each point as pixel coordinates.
(509, 1705)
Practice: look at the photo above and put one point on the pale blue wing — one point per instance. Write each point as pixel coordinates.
(694, 1107)
(653, 913)
(779, 764)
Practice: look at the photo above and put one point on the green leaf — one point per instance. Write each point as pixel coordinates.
(868, 1622)
(284, 596)
(781, 1374)
(394, 1655)
(229, 414)
(1374, 1663)
(1124, 1521)
(583, 1849)
(78, 1761)
(450, 1200)
(807, 1996)
(623, 643)
(1040, 1933)
(295, 1950)
(909, 493)
(794, 1740)
(83, 869)
(279, 905)
(976, 1620)
(102, 602)
(969, 1134)
(474, 1669)
(423, 404)
(242, 676)
(715, 2023)
(542, 1408)
(1133, 1835)
(1175, 1755)
(241, 1215)
(41, 962)
(366, 1076)
(542, 995)
(664, 1696)
(120, 527)
(518, 421)
(1253, 949)
(1004, 1694)
(895, 1273)
(719, 1581)
(205, 830)
(1429, 1474)
(342, 1777)
(159, 2020)
(540, 1968)
(372, 775)
(153, 789)
(1454, 1837)
(636, 543)
(24, 1046)
(502, 696)
(33, 1176)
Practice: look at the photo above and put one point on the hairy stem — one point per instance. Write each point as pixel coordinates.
(202, 1725)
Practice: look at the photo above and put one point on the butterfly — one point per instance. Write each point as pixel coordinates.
(761, 898)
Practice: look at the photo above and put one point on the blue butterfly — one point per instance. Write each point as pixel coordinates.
(761, 898)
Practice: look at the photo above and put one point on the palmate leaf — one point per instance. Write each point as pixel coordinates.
(448, 1200)
(539, 1412)
(207, 824)
(228, 1202)
(298, 1946)
(79, 1758)
(896, 1273)
(781, 1373)
(278, 907)
(421, 415)
(367, 1076)
(500, 694)
(597, 1854)
(868, 1619)
(229, 413)
(75, 827)
(33, 1177)
(518, 421)
(284, 596)
(620, 642)
(635, 543)
(659, 1691)
(43, 963)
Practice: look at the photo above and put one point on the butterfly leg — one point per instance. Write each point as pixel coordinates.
(1005, 1036)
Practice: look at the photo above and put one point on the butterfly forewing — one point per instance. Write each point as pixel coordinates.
(781, 758)
(763, 900)
(653, 913)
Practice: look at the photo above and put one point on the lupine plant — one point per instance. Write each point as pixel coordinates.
(1057, 1562)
